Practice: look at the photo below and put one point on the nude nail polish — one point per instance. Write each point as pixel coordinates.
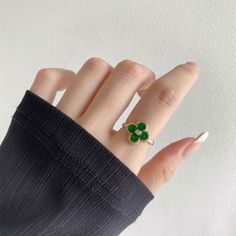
(195, 144)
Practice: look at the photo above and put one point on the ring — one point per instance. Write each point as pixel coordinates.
(138, 132)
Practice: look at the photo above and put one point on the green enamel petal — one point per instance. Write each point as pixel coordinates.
(133, 138)
(144, 136)
(141, 126)
(131, 128)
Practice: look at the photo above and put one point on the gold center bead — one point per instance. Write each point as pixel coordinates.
(138, 132)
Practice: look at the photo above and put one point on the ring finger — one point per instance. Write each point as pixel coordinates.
(87, 81)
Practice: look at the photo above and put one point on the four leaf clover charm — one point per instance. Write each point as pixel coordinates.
(137, 132)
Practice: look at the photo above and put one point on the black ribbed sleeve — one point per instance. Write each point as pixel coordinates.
(58, 179)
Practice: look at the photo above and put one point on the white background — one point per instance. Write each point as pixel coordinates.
(201, 198)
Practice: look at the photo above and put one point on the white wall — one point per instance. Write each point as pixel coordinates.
(200, 199)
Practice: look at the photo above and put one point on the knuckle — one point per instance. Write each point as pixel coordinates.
(167, 173)
(188, 69)
(152, 75)
(96, 63)
(165, 96)
(131, 68)
(46, 74)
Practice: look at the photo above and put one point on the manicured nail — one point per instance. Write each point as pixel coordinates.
(195, 144)
(202, 137)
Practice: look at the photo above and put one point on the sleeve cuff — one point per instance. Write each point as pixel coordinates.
(78, 150)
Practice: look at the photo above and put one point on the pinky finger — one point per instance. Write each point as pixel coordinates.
(50, 80)
(156, 172)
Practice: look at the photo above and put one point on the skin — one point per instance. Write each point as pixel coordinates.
(98, 94)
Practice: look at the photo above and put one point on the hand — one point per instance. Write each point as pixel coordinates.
(98, 94)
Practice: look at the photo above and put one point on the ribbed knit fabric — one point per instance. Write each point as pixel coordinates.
(58, 179)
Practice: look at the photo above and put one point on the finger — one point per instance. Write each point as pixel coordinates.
(116, 93)
(140, 92)
(156, 172)
(87, 81)
(50, 80)
(159, 102)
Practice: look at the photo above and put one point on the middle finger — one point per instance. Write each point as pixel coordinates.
(115, 95)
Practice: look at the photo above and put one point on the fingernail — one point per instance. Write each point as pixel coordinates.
(195, 144)
(202, 137)
(193, 64)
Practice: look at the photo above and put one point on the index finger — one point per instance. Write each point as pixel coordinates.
(163, 97)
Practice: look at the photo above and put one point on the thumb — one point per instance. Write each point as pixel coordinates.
(157, 171)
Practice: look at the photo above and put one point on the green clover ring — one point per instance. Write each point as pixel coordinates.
(138, 132)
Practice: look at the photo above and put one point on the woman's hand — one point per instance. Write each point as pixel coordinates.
(98, 94)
